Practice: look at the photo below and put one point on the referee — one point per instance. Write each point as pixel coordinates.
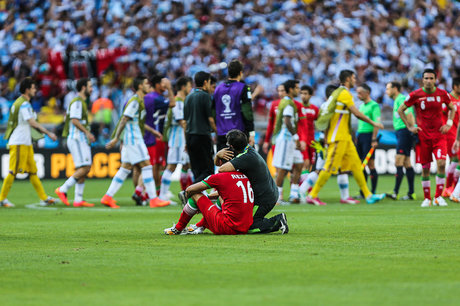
(200, 124)
(367, 134)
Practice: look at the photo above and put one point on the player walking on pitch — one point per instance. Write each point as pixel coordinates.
(134, 151)
(341, 149)
(19, 134)
(431, 130)
(76, 129)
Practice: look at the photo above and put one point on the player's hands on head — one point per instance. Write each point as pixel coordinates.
(111, 144)
(225, 154)
(445, 128)
(414, 129)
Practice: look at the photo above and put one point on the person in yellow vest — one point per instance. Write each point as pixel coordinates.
(341, 150)
(76, 129)
(134, 151)
(22, 127)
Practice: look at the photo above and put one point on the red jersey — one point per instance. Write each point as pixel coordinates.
(428, 110)
(445, 111)
(271, 120)
(236, 191)
(306, 126)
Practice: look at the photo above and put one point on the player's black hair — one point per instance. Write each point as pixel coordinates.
(181, 82)
(344, 75)
(234, 68)
(213, 79)
(26, 84)
(155, 79)
(290, 84)
(81, 83)
(330, 89)
(397, 85)
(201, 77)
(307, 88)
(237, 139)
(366, 87)
(456, 81)
(138, 81)
(429, 70)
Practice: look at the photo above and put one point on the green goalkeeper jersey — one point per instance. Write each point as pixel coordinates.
(372, 110)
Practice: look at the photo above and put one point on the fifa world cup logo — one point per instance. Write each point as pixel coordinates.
(227, 100)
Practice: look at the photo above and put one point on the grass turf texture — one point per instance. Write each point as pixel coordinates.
(387, 253)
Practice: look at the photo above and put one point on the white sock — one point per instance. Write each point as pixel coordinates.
(117, 181)
(165, 183)
(68, 184)
(79, 187)
(294, 191)
(190, 174)
(452, 167)
(280, 191)
(456, 192)
(342, 181)
(309, 182)
(149, 182)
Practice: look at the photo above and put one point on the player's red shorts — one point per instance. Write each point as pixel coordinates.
(309, 154)
(157, 153)
(214, 219)
(450, 143)
(426, 147)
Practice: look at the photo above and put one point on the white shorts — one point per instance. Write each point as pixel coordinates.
(176, 155)
(286, 155)
(81, 152)
(134, 154)
(185, 159)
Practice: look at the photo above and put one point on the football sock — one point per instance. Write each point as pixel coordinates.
(398, 179)
(79, 187)
(294, 191)
(308, 182)
(359, 178)
(38, 186)
(68, 184)
(117, 181)
(7, 183)
(139, 189)
(410, 174)
(304, 175)
(165, 183)
(187, 213)
(183, 179)
(149, 182)
(374, 180)
(342, 181)
(191, 177)
(365, 178)
(440, 181)
(426, 187)
(280, 191)
(456, 192)
(322, 179)
(456, 175)
(450, 173)
(192, 203)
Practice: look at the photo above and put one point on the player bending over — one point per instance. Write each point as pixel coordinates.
(233, 217)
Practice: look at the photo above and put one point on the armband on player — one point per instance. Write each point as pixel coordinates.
(450, 122)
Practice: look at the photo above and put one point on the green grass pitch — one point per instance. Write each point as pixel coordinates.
(383, 254)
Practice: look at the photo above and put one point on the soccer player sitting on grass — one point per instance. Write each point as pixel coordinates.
(431, 131)
(232, 217)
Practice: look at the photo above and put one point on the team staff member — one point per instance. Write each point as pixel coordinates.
(404, 142)
(200, 124)
(19, 135)
(367, 133)
(341, 149)
(431, 132)
(232, 103)
(76, 129)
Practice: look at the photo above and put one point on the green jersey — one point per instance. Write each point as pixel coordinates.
(398, 124)
(372, 110)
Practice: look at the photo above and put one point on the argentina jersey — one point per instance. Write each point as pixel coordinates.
(176, 136)
(132, 132)
(76, 112)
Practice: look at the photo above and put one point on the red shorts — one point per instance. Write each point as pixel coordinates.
(214, 219)
(426, 147)
(157, 153)
(450, 144)
(309, 154)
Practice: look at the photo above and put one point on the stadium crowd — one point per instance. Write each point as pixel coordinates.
(277, 40)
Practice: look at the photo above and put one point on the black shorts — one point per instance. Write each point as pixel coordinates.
(364, 145)
(405, 142)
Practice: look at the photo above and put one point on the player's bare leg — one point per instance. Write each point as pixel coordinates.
(280, 176)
